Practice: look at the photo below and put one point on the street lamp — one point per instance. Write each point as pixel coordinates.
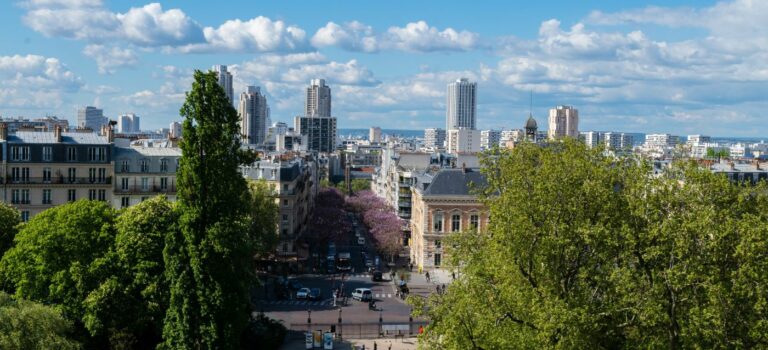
(340, 332)
(309, 317)
(381, 325)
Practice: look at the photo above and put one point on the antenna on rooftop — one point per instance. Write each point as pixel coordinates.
(530, 107)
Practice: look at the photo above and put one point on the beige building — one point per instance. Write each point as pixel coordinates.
(463, 141)
(444, 206)
(563, 122)
(42, 169)
(143, 171)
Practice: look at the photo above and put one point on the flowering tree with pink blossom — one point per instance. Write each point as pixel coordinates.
(382, 222)
(328, 221)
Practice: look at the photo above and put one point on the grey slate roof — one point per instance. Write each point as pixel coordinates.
(37, 137)
(455, 182)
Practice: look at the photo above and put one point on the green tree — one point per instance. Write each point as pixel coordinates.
(263, 217)
(9, 219)
(209, 262)
(357, 185)
(589, 251)
(129, 305)
(28, 325)
(60, 255)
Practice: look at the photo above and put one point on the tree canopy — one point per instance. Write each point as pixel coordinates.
(584, 250)
(9, 219)
(29, 325)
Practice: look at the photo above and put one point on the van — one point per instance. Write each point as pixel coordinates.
(362, 294)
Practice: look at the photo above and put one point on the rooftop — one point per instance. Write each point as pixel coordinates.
(455, 182)
(85, 138)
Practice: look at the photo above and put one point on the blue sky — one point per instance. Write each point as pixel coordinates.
(673, 66)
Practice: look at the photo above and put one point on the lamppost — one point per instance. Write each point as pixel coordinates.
(381, 324)
(340, 332)
(410, 322)
(309, 319)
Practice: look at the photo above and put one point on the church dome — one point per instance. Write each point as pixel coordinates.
(531, 123)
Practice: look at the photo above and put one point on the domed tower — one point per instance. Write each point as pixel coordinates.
(530, 129)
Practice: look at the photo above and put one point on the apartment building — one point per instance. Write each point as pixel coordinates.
(144, 170)
(42, 169)
(445, 205)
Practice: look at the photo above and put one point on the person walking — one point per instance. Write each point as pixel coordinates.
(427, 275)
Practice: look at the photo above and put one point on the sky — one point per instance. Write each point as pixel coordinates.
(676, 66)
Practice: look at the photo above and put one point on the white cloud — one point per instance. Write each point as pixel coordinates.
(414, 37)
(110, 58)
(34, 81)
(259, 34)
(151, 26)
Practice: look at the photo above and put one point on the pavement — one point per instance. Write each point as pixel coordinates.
(357, 344)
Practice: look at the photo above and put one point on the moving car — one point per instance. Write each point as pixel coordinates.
(314, 294)
(362, 294)
(303, 293)
(376, 276)
(361, 240)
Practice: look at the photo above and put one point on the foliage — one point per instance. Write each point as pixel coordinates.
(722, 153)
(263, 217)
(588, 251)
(9, 219)
(209, 262)
(60, 255)
(264, 333)
(129, 305)
(382, 222)
(357, 186)
(29, 325)
(328, 221)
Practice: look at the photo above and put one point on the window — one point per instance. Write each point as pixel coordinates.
(125, 202)
(97, 154)
(72, 174)
(285, 202)
(46, 196)
(163, 183)
(71, 154)
(437, 222)
(285, 218)
(455, 223)
(438, 259)
(15, 196)
(285, 187)
(20, 153)
(124, 184)
(25, 215)
(71, 195)
(91, 195)
(102, 195)
(125, 166)
(144, 164)
(163, 165)
(102, 175)
(47, 153)
(145, 184)
(25, 175)
(438, 243)
(20, 175)
(91, 175)
(474, 221)
(47, 175)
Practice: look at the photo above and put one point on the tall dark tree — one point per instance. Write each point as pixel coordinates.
(208, 263)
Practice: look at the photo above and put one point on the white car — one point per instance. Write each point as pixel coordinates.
(303, 293)
(361, 240)
(362, 294)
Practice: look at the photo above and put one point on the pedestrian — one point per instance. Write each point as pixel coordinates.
(427, 275)
(421, 329)
(410, 267)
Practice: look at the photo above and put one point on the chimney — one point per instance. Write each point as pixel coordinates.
(3, 132)
(110, 133)
(57, 133)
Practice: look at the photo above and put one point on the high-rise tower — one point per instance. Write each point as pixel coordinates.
(225, 81)
(318, 101)
(461, 105)
(563, 121)
(253, 112)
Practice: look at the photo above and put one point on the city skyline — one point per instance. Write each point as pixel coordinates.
(685, 68)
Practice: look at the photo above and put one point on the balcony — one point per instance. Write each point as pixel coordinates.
(20, 201)
(59, 180)
(170, 189)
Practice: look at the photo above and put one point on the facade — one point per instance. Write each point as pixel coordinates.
(742, 172)
(144, 171)
(225, 81)
(320, 132)
(128, 123)
(591, 138)
(617, 141)
(39, 124)
(294, 181)
(463, 141)
(659, 141)
(254, 113)
(489, 139)
(91, 117)
(563, 122)
(374, 134)
(42, 169)
(318, 99)
(510, 137)
(446, 205)
(434, 138)
(174, 129)
(699, 139)
(461, 105)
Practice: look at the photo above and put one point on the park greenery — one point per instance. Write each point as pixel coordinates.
(588, 251)
(171, 275)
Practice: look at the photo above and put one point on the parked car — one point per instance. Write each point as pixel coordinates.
(362, 294)
(361, 240)
(303, 293)
(314, 294)
(376, 276)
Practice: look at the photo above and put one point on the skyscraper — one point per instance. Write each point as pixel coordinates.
(318, 101)
(461, 105)
(563, 121)
(225, 81)
(374, 134)
(253, 112)
(175, 129)
(91, 117)
(129, 122)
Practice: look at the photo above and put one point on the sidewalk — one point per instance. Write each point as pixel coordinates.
(357, 344)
